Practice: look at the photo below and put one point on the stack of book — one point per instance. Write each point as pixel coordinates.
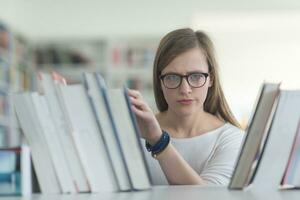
(83, 138)
(265, 159)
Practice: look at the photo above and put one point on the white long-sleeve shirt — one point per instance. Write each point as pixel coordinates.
(212, 155)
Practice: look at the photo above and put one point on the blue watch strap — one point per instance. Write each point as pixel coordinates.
(160, 145)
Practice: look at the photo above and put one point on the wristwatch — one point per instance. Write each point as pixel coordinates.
(159, 146)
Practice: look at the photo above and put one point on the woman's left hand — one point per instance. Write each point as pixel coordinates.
(148, 124)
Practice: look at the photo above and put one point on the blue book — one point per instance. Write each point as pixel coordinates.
(15, 171)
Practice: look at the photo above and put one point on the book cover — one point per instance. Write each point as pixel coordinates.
(291, 177)
(40, 155)
(87, 138)
(256, 138)
(48, 86)
(129, 140)
(280, 141)
(102, 116)
(54, 145)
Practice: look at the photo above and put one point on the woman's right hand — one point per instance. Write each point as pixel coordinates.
(148, 124)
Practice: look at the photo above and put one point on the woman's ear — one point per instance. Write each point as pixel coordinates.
(211, 81)
(160, 84)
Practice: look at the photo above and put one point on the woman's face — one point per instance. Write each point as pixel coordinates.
(185, 99)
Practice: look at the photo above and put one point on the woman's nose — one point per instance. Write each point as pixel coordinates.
(185, 87)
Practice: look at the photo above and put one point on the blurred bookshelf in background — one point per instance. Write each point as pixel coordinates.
(122, 62)
(15, 75)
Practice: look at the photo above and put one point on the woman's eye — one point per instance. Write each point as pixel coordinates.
(172, 77)
(196, 76)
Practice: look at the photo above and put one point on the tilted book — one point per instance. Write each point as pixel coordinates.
(280, 142)
(42, 162)
(87, 138)
(54, 145)
(291, 177)
(129, 137)
(256, 138)
(94, 86)
(76, 169)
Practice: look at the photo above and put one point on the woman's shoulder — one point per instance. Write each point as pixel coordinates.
(230, 135)
(229, 128)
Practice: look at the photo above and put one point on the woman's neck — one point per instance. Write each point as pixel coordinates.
(182, 126)
(189, 125)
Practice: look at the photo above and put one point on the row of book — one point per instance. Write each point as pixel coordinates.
(126, 56)
(139, 56)
(135, 54)
(270, 155)
(83, 138)
(56, 56)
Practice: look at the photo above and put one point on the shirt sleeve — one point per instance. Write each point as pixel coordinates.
(219, 168)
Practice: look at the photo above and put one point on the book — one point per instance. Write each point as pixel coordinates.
(256, 137)
(94, 87)
(15, 171)
(129, 137)
(291, 177)
(32, 130)
(87, 138)
(48, 85)
(54, 145)
(26, 170)
(281, 137)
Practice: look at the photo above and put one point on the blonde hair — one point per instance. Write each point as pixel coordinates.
(178, 42)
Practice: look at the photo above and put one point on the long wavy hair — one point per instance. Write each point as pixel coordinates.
(178, 42)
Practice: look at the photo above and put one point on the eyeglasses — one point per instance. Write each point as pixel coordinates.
(173, 81)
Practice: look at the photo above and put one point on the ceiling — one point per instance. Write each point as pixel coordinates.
(42, 19)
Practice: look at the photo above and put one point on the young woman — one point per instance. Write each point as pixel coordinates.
(194, 139)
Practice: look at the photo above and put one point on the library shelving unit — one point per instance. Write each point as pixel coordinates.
(15, 76)
(125, 61)
(70, 57)
(130, 61)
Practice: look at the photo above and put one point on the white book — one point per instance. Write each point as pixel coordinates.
(129, 138)
(87, 138)
(107, 130)
(43, 166)
(53, 143)
(26, 175)
(64, 134)
(291, 178)
(282, 132)
(255, 140)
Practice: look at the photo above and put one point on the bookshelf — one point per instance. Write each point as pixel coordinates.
(121, 61)
(15, 76)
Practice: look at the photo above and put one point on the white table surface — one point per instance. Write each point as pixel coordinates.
(176, 193)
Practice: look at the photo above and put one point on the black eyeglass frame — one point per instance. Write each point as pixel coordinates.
(161, 77)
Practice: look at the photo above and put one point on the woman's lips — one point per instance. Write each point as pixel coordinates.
(185, 101)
